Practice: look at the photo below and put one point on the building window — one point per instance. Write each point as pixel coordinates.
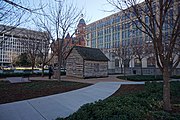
(146, 19)
(151, 62)
(116, 63)
(137, 62)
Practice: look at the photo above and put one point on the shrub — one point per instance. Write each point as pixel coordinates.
(24, 74)
(111, 109)
(145, 77)
(4, 75)
(137, 106)
(141, 77)
(176, 77)
(162, 115)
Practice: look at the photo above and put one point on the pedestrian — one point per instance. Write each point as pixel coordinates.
(50, 71)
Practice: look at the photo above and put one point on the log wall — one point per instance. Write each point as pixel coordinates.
(74, 64)
(95, 69)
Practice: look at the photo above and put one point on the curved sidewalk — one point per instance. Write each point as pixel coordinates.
(59, 105)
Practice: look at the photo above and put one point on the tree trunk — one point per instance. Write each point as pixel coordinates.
(155, 76)
(124, 71)
(59, 64)
(59, 70)
(141, 67)
(32, 68)
(121, 68)
(42, 70)
(166, 90)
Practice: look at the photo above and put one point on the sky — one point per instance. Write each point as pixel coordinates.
(95, 9)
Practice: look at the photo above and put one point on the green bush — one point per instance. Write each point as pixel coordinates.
(145, 77)
(112, 109)
(137, 106)
(176, 77)
(141, 77)
(4, 75)
(162, 115)
(24, 74)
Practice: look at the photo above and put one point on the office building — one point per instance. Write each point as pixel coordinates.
(117, 33)
(14, 41)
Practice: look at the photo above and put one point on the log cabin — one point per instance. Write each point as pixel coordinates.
(85, 62)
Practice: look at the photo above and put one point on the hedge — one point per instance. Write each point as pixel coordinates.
(139, 106)
(142, 77)
(145, 77)
(24, 74)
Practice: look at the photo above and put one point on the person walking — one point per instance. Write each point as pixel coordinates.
(50, 71)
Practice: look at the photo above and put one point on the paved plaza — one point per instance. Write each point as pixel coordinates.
(17, 79)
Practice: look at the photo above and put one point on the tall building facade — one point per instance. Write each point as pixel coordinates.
(14, 41)
(117, 33)
(80, 33)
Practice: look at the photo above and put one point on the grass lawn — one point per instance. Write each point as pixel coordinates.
(22, 91)
(132, 102)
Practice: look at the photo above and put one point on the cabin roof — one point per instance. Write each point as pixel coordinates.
(92, 54)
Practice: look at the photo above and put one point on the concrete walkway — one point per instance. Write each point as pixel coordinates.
(59, 105)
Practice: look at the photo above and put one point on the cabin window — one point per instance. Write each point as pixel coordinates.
(96, 67)
(74, 65)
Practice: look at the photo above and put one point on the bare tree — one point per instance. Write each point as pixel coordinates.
(44, 50)
(125, 55)
(140, 52)
(160, 20)
(62, 16)
(65, 48)
(9, 15)
(13, 14)
(32, 43)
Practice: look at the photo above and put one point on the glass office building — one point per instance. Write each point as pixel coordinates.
(117, 32)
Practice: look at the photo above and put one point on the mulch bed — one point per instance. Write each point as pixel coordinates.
(22, 91)
(126, 89)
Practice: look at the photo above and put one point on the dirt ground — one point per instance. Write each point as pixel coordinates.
(22, 91)
(126, 89)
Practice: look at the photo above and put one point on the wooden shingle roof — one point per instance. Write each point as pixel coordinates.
(93, 54)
